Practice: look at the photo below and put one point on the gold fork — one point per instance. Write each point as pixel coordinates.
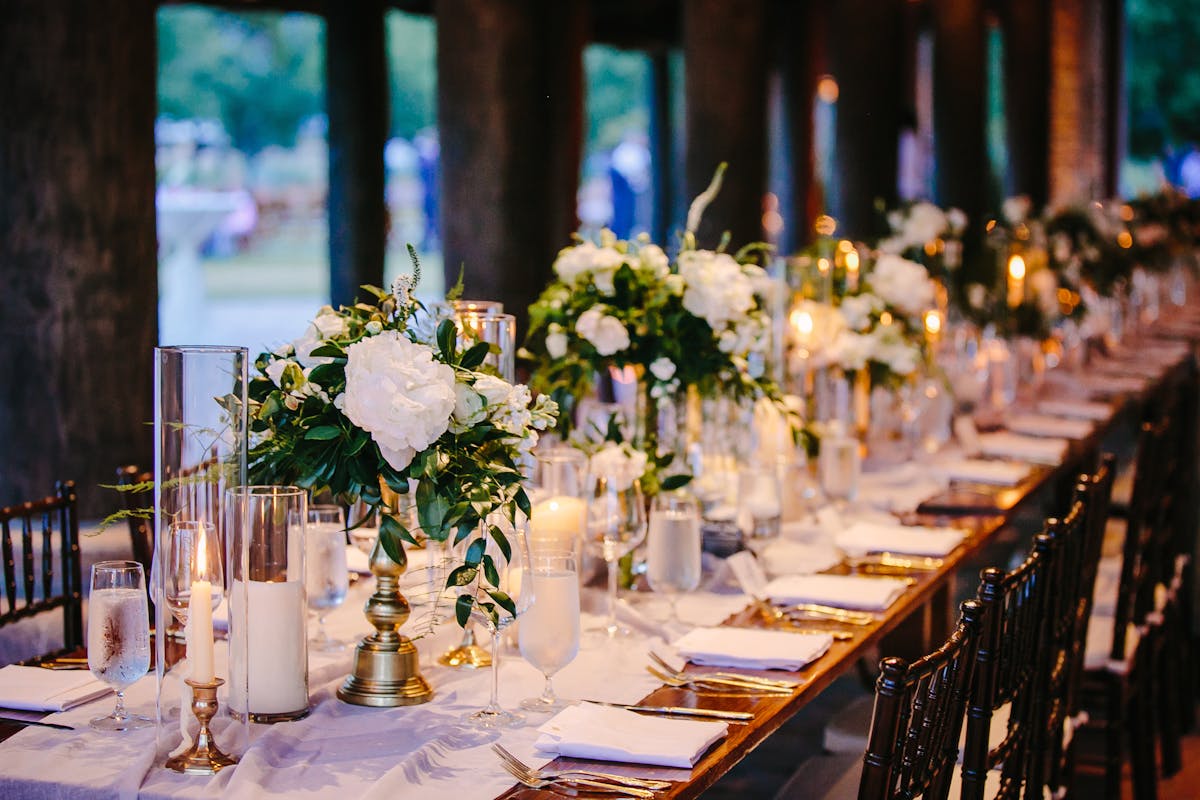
(704, 683)
(769, 682)
(559, 783)
(565, 774)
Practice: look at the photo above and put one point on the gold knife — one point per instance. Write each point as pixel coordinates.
(707, 713)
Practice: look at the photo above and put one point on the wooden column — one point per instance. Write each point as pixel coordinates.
(801, 30)
(357, 104)
(959, 91)
(867, 51)
(510, 117)
(1076, 96)
(1116, 111)
(724, 42)
(1027, 98)
(78, 268)
(660, 145)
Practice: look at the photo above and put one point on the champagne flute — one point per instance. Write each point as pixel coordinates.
(327, 576)
(549, 632)
(673, 547)
(118, 636)
(510, 573)
(616, 525)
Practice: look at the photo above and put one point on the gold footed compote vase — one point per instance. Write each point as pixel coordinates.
(386, 670)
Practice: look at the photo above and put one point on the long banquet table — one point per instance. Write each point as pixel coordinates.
(344, 751)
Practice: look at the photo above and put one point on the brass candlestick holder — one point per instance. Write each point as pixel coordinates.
(386, 669)
(466, 654)
(203, 757)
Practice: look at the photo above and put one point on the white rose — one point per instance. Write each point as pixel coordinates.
(556, 341)
(857, 309)
(893, 244)
(621, 465)
(1016, 209)
(468, 408)
(328, 323)
(851, 350)
(275, 371)
(304, 347)
(663, 368)
(605, 333)
(903, 284)
(957, 219)
(495, 390)
(675, 284)
(654, 260)
(572, 262)
(398, 393)
(925, 223)
(716, 289)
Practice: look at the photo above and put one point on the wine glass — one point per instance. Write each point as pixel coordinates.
(184, 566)
(327, 576)
(673, 547)
(510, 574)
(760, 504)
(118, 636)
(549, 632)
(616, 525)
(840, 464)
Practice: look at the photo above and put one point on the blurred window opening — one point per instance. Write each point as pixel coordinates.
(242, 165)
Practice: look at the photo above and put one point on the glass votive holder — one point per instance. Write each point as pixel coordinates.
(760, 504)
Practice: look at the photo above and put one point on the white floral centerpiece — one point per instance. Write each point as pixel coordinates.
(701, 322)
(374, 394)
(923, 232)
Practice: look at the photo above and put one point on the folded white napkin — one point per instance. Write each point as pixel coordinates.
(783, 557)
(914, 540)
(37, 689)
(614, 734)
(751, 648)
(900, 489)
(1108, 384)
(1076, 409)
(977, 470)
(840, 591)
(1147, 368)
(1026, 448)
(1049, 426)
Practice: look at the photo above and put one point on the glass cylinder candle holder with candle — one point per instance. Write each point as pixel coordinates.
(760, 504)
(498, 330)
(559, 516)
(200, 452)
(268, 642)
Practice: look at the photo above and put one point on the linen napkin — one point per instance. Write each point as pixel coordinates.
(750, 648)
(977, 470)
(1076, 409)
(1108, 384)
(1026, 448)
(37, 689)
(795, 558)
(1141, 368)
(839, 591)
(1048, 426)
(614, 734)
(862, 538)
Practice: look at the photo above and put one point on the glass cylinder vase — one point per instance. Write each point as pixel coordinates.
(267, 603)
(200, 452)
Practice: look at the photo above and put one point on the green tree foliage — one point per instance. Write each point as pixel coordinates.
(1163, 74)
(260, 74)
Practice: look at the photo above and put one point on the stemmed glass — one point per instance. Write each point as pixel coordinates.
(327, 576)
(549, 632)
(840, 464)
(118, 636)
(673, 547)
(616, 525)
(510, 571)
(184, 567)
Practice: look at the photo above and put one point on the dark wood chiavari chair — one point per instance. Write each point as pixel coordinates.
(918, 717)
(44, 591)
(141, 537)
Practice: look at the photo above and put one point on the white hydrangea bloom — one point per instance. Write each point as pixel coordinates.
(607, 334)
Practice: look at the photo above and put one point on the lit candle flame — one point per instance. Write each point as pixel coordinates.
(933, 322)
(201, 554)
(1016, 268)
(803, 322)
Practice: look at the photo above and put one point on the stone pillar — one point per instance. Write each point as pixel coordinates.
(959, 91)
(1027, 98)
(357, 104)
(724, 47)
(510, 117)
(78, 263)
(867, 50)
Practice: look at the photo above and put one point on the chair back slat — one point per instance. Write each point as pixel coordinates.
(53, 516)
(1011, 644)
(913, 744)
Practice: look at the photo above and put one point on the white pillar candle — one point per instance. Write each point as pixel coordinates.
(558, 521)
(276, 670)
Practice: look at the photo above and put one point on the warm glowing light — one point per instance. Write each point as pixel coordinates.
(1124, 239)
(845, 245)
(852, 261)
(823, 265)
(885, 318)
(802, 321)
(1016, 268)
(931, 247)
(825, 225)
(1127, 213)
(990, 225)
(933, 322)
(827, 89)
